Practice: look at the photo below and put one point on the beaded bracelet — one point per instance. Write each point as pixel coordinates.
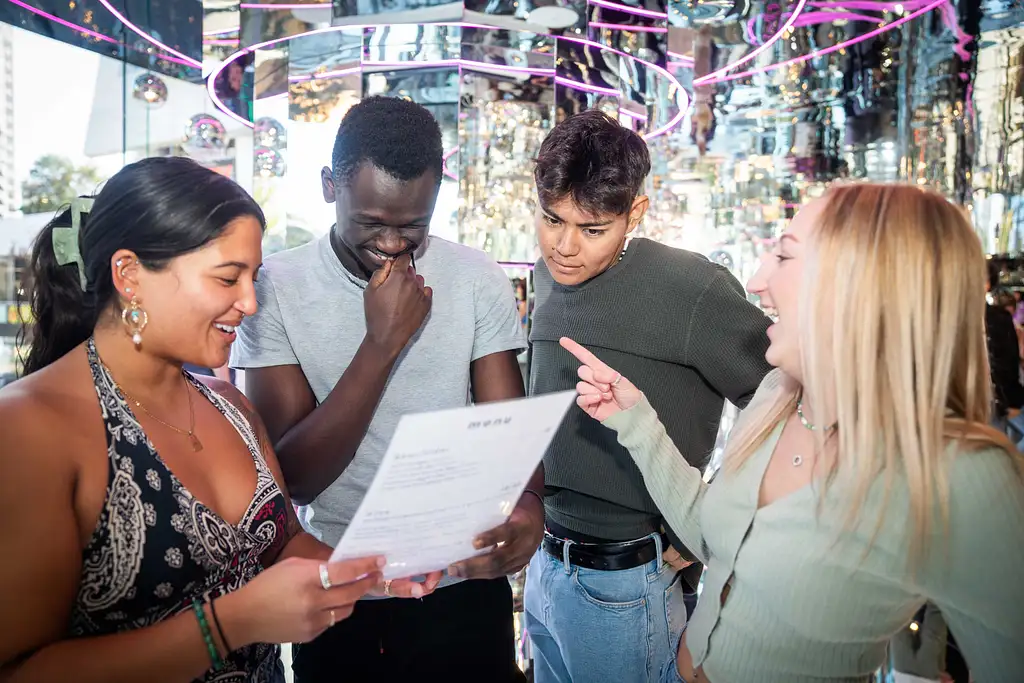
(204, 627)
(216, 622)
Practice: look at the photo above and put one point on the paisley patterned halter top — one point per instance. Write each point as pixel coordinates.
(156, 547)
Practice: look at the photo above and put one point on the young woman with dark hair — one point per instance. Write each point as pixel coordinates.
(146, 533)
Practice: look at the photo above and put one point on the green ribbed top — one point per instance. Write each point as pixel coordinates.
(805, 608)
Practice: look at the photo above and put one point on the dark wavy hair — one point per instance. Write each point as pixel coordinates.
(592, 159)
(159, 208)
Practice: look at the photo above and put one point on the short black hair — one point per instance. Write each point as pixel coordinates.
(593, 160)
(397, 136)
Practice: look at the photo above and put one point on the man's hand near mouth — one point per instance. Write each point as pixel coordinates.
(396, 303)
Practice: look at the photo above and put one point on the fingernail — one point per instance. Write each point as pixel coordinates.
(417, 591)
(453, 570)
(478, 544)
(381, 561)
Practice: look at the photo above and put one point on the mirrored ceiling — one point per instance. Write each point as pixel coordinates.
(750, 107)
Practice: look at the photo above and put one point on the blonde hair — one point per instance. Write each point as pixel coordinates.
(902, 376)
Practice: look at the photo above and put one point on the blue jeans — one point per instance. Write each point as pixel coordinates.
(590, 625)
(670, 673)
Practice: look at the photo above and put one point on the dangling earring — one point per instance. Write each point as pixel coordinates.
(135, 319)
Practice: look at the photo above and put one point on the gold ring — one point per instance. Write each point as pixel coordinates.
(325, 578)
(387, 588)
(333, 620)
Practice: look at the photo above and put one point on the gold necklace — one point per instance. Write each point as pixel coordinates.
(197, 445)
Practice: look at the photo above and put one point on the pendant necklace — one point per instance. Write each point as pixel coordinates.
(799, 459)
(197, 445)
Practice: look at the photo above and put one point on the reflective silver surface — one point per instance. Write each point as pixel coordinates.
(780, 99)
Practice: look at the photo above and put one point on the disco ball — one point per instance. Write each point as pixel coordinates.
(151, 89)
(204, 132)
(269, 162)
(270, 133)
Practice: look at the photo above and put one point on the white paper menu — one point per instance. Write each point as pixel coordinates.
(448, 476)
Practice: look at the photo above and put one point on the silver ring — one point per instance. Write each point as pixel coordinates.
(325, 578)
(618, 378)
(333, 620)
(387, 588)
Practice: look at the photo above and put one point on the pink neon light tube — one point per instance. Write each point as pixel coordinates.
(444, 163)
(626, 9)
(124, 20)
(324, 74)
(221, 32)
(635, 115)
(815, 18)
(467, 63)
(89, 32)
(587, 87)
(838, 46)
(294, 5)
(869, 5)
(682, 98)
(715, 76)
(628, 27)
(64, 22)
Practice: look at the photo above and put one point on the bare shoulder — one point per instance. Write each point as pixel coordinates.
(50, 418)
(222, 388)
(32, 405)
(23, 409)
(230, 392)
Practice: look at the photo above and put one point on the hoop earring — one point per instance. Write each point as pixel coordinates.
(135, 320)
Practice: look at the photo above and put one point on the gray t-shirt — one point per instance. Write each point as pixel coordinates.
(311, 315)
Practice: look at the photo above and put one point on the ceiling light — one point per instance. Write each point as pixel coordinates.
(552, 15)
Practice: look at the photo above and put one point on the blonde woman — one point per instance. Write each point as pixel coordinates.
(863, 479)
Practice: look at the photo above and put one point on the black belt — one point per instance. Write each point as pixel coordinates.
(607, 557)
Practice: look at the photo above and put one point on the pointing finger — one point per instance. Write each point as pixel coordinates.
(594, 370)
(582, 355)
